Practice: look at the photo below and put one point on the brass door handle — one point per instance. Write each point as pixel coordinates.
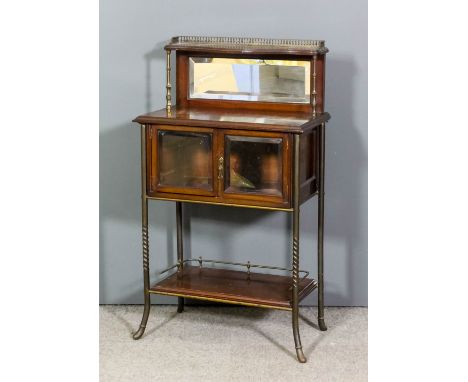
(220, 168)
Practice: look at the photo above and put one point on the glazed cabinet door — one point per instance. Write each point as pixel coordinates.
(254, 166)
(180, 160)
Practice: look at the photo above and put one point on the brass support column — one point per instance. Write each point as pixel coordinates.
(314, 86)
(295, 262)
(144, 229)
(180, 249)
(321, 213)
(168, 81)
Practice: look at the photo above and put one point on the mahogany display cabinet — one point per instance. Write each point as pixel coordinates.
(247, 130)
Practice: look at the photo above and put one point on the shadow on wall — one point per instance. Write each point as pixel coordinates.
(346, 180)
(120, 203)
(345, 210)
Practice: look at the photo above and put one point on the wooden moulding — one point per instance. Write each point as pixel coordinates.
(235, 287)
(213, 117)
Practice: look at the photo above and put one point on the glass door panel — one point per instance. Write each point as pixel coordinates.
(185, 160)
(253, 165)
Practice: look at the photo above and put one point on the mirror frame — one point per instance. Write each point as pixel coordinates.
(183, 99)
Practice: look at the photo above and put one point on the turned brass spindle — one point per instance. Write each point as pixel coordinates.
(168, 82)
(314, 88)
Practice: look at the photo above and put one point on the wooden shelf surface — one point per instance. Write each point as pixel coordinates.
(235, 287)
(260, 120)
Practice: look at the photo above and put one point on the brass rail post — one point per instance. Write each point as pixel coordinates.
(295, 262)
(168, 81)
(144, 229)
(180, 249)
(321, 213)
(314, 86)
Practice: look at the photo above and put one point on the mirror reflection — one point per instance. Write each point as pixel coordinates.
(185, 159)
(253, 164)
(285, 81)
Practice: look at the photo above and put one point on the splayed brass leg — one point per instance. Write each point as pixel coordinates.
(295, 256)
(144, 224)
(141, 330)
(295, 300)
(180, 248)
(137, 335)
(321, 213)
(295, 303)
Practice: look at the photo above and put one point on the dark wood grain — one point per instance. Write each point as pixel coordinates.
(285, 122)
(233, 286)
(308, 166)
(182, 80)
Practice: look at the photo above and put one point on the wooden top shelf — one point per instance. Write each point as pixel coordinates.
(235, 287)
(288, 122)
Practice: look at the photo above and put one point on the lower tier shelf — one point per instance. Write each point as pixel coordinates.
(234, 287)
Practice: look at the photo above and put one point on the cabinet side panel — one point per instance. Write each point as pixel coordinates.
(308, 165)
(150, 159)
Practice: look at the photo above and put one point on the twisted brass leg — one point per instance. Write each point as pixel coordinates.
(180, 249)
(295, 300)
(144, 224)
(321, 213)
(137, 335)
(295, 267)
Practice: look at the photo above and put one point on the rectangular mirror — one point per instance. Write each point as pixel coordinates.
(238, 79)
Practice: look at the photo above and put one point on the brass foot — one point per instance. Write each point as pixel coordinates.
(321, 323)
(300, 355)
(139, 333)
